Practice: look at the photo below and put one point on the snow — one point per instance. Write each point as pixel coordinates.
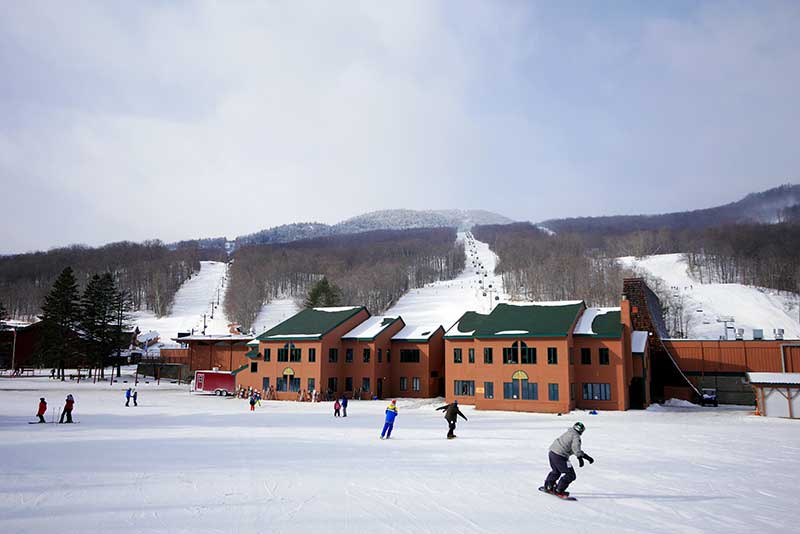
(195, 297)
(444, 302)
(415, 332)
(369, 328)
(751, 307)
(588, 316)
(511, 332)
(546, 303)
(334, 309)
(273, 313)
(774, 378)
(147, 337)
(195, 463)
(639, 341)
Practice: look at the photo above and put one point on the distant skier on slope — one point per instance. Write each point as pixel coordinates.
(42, 410)
(391, 414)
(252, 402)
(451, 413)
(563, 447)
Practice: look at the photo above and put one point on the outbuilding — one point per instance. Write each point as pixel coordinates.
(777, 394)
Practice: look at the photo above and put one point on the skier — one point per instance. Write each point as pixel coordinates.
(128, 397)
(135, 396)
(68, 405)
(252, 403)
(391, 413)
(42, 410)
(451, 413)
(344, 406)
(336, 408)
(563, 447)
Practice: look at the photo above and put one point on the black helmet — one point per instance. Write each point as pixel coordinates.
(579, 427)
(41, 398)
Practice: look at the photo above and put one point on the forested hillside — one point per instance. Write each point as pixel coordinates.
(150, 272)
(372, 269)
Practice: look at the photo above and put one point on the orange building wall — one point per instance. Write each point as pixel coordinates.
(617, 373)
(204, 356)
(697, 356)
(429, 370)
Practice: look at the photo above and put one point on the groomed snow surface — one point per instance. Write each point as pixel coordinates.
(751, 307)
(182, 462)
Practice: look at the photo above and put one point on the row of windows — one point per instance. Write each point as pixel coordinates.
(415, 383)
(524, 390)
(291, 354)
(519, 351)
(586, 356)
(288, 383)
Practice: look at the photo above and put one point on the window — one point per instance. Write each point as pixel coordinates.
(488, 390)
(281, 385)
(465, 388)
(408, 355)
(586, 356)
(265, 383)
(333, 355)
(283, 355)
(366, 355)
(487, 355)
(597, 392)
(510, 355)
(403, 383)
(365, 384)
(295, 355)
(348, 383)
(388, 355)
(552, 355)
(380, 355)
(312, 384)
(348, 356)
(471, 355)
(253, 367)
(415, 384)
(510, 390)
(456, 355)
(572, 391)
(552, 392)
(294, 384)
(603, 356)
(530, 390)
(528, 354)
(333, 384)
(267, 354)
(312, 355)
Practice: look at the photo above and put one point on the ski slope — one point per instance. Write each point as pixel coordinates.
(191, 463)
(443, 302)
(195, 297)
(751, 307)
(274, 313)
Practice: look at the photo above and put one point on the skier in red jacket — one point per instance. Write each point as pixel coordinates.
(42, 410)
(68, 404)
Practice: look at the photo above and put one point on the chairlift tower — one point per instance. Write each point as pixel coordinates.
(728, 321)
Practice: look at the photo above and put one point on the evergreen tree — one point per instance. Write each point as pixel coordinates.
(99, 317)
(3, 312)
(323, 293)
(60, 313)
(122, 307)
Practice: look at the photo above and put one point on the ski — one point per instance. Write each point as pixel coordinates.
(38, 423)
(565, 498)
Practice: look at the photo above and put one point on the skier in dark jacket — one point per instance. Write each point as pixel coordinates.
(68, 405)
(561, 471)
(42, 410)
(344, 406)
(135, 396)
(128, 397)
(451, 413)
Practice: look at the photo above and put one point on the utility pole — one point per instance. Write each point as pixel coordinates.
(14, 352)
(204, 324)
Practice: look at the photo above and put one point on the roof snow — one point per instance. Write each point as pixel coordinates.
(216, 338)
(546, 303)
(147, 336)
(370, 328)
(511, 332)
(415, 332)
(334, 309)
(639, 341)
(584, 325)
(774, 378)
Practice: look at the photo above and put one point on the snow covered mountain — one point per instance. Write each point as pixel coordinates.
(397, 219)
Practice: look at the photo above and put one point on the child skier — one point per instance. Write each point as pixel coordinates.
(252, 403)
(42, 410)
(451, 413)
(336, 407)
(563, 447)
(135, 396)
(391, 413)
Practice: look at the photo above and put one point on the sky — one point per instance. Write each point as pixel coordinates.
(185, 119)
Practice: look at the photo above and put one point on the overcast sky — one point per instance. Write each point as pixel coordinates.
(173, 120)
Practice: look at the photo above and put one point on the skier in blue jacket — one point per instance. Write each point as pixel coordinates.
(391, 413)
(128, 397)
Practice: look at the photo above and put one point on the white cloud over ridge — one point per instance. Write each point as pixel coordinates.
(135, 121)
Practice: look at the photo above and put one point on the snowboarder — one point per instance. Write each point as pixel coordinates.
(69, 403)
(451, 413)
(344, 406)
(42, 410)
(561, 471)
(391, 413)
(128, 397)
(336, 407)
(252, 403)
(135, 397)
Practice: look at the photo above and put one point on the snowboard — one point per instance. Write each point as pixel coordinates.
(452, 437)
(567, 498)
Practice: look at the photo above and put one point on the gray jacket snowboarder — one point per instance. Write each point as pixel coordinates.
(451, 414)
(561, 471)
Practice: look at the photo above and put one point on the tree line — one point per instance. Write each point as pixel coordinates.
(150, 273)
(372, 269)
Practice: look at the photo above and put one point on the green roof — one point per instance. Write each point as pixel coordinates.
(607, 325)
(311, 323)
(239, 370)
(509, 321)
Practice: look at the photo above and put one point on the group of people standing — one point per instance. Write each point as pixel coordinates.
(66, 412)
(131, 393)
